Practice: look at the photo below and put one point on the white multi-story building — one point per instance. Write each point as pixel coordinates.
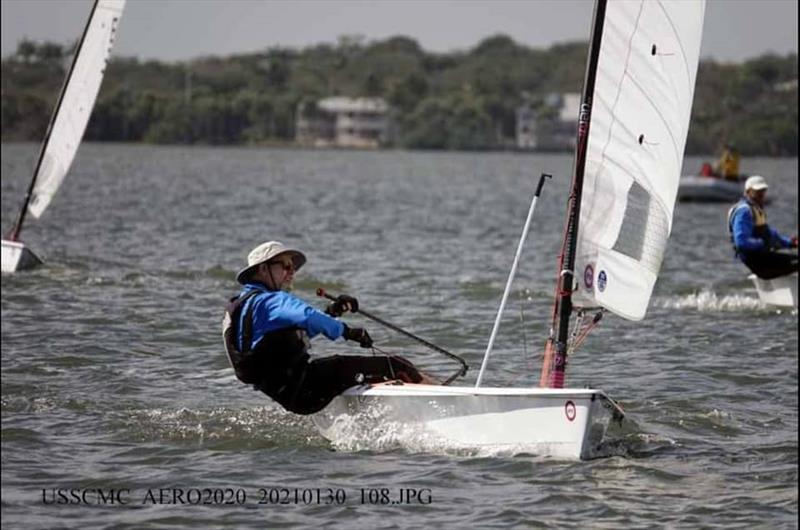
(343, 122)
(552, 126)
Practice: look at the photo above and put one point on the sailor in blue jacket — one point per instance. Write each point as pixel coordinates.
(267, 330)
(755, 242)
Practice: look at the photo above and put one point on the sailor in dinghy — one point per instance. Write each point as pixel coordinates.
(266, 331)
(762, 248)
(757, 244)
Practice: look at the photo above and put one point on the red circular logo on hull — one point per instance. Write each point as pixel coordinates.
(569, 410)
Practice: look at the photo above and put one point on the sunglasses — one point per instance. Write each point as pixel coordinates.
(285, 264)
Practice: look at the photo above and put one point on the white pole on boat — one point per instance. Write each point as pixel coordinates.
(511, 275)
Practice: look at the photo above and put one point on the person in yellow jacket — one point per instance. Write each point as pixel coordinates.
(727, 166)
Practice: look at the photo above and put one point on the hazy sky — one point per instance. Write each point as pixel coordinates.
(180, 29)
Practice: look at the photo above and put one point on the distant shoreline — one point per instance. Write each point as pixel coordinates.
(289, 146)
(470, 101)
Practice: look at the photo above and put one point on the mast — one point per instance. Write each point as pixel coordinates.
(567, 273)
(14, 234)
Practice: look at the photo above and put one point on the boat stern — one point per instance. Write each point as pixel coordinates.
(16, 257)
(780, 292)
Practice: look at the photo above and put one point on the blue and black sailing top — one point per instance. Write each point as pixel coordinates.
(747, 223)
(274, 310)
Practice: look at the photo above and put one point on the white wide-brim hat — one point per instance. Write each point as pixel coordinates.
(265, 252)
(756, 182)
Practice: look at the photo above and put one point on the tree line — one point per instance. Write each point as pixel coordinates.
(458, 100)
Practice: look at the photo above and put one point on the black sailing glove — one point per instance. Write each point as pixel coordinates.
(358, 335)
(341, 305)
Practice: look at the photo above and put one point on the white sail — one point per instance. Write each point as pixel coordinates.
(639, 121)
(77, 101)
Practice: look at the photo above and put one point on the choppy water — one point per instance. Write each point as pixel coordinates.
(113, 376)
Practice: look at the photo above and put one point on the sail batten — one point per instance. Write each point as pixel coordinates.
(642, 104)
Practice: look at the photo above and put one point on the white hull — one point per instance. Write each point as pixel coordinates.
(708, 189)
(564, 423)
(781, 291)
(16, 257)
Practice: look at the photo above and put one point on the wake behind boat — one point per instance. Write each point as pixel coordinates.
(66, 128)
(632, 128)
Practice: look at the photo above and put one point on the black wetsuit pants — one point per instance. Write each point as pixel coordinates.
(319, 381)
(769, 265)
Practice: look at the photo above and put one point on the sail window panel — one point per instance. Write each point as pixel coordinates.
(620, 214)
(630, 240)
(644, 231)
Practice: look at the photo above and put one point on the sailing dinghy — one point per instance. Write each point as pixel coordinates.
(632, 129)
(67, 125)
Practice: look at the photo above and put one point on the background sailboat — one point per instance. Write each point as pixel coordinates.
(67, 125)
(633, 123)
